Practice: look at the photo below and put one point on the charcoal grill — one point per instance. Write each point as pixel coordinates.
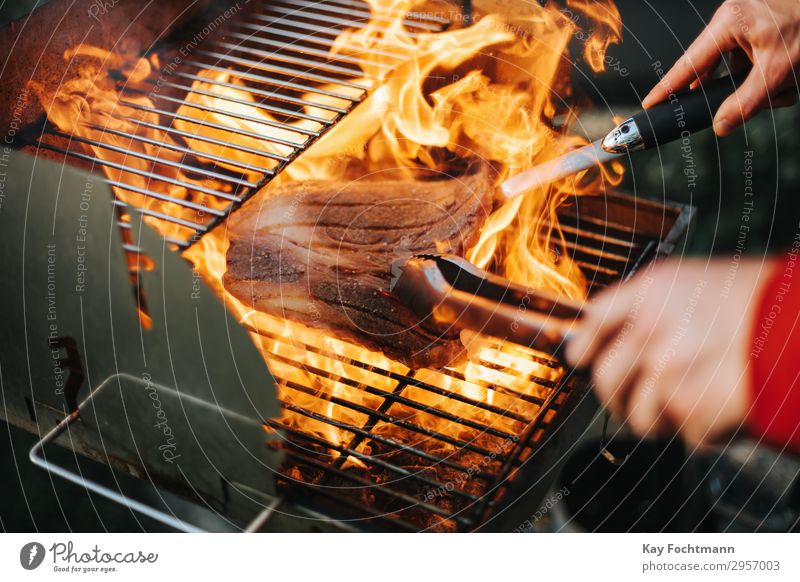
(488, 477)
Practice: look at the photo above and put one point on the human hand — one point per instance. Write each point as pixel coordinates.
(669, 350)
(764, 32)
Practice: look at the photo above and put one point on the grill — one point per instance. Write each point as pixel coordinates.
(276, 52)
(484, 463)
(463, 488)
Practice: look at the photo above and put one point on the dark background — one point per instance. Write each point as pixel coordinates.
(31, 501)
(661, 31)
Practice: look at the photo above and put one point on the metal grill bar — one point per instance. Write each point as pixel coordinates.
(366, 433)
(387, 417)
(223, 144)
(300, 48)
(411, 381)
(375, 462)
(254, 105)
(311, 36)
(212, 125)
(394, 444)
(282, 57)
(342, 22)
(159, 215)
(301, 90)
(303, 40)
(157, 196)
(269, 66)
(280, 82)
(184, 150)
(499, 388)
(426, 16)
(349, 476)
(145, 174)
(408, 380)
(157, 160)
(390, 419)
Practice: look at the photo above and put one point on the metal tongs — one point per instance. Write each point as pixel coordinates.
(454, 292)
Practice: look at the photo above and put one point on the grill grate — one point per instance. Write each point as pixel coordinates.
(277, 55)
(415, 477)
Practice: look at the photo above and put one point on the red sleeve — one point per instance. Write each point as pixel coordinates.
(775, 357)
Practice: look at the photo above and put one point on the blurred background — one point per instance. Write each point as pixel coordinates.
(654, 31)
(661, 31)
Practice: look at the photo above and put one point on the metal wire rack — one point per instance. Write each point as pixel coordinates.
(252, 96)
(422, 451)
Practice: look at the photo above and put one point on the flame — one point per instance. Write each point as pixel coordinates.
(497, 90)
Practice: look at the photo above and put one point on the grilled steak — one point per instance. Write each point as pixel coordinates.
(319, 253)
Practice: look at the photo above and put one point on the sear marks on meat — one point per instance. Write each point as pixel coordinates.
(320, 252)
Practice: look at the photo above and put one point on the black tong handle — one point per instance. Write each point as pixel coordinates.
(686, 112)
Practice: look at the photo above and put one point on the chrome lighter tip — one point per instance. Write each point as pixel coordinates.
(626, 137)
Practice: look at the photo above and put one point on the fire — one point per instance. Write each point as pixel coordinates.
(497, 90)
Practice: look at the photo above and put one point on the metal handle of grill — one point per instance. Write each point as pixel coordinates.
(39, 459)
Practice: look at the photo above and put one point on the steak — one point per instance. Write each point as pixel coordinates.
(320, 253)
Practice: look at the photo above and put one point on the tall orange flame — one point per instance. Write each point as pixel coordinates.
(497, 90)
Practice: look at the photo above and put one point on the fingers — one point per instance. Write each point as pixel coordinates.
(628, 384)
(600, 322)
(644, 412)
(752, 95)
(701, 57)
(603, 319)
(616, 370)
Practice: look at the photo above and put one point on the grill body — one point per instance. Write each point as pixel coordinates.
(392, 470)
